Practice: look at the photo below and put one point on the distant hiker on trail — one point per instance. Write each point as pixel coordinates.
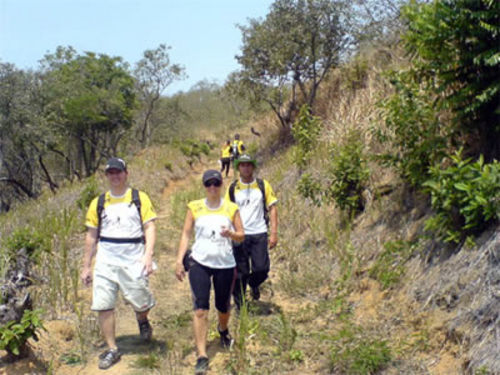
(121, 227)
(257, 204)
(225, 159)
(216, 222)
(237, 147)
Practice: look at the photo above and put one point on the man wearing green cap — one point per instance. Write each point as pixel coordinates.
(257, 203)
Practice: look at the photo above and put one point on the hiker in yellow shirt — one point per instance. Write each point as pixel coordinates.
(121, 234)
(225, 159)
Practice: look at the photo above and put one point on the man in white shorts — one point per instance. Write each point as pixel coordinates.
(121, 230)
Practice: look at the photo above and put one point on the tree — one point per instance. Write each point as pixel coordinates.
(153, 73)
(91, 102)
(456, 48)
(291, 51)
(23, 136)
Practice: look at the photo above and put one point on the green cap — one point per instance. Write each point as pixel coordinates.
(245, 158)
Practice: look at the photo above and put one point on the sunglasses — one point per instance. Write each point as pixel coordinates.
(215, 183)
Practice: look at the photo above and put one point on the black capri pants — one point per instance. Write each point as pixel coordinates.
(223, 280)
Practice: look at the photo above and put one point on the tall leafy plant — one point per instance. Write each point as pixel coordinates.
(413, 128)
(456, 44)
(465, 197)
(305, 131)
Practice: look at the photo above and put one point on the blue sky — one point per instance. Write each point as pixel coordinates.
(203, 34)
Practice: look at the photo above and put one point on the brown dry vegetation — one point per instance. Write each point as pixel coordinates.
(323, 299)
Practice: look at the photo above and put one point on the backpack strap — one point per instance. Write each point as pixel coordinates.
(136, 200)
(260, 183)
(231, 191)
(100, 209)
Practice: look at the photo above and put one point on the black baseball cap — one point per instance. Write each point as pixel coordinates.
(116, 163)
(211, 174)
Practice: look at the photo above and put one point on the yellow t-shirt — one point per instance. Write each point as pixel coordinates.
(120, 219)
(248, 197)
(210, 248)
(226, 151)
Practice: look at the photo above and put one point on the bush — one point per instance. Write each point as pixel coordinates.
(354, 353)
(33, 240)
(89, 192)
(349, 174)
(305, 131)
(413, 129)
(14, 335)
(465, 197)
(309, 188)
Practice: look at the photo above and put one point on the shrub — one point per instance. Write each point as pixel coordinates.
(89, 192)
(465, 197)
(349, 174)
(354, 353)
(309, 188)
(305, 131)
(412, 127)
(14, 335)
(31, 239)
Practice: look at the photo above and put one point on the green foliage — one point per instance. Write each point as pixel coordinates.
(294, 47)
(413, 128)
(71, 358)
(153, 74)
(355, 354)
(148, 361)
(465, 197)
(305, 131)
(13, 335)
(296, 355)
(456, 48)
(194, 149)
(181, 320)
(33, 240)
(349, 175)
(89, 192)
(483, 370)
(168, 166)
(309, 188)
(389, 265)
(91, 100)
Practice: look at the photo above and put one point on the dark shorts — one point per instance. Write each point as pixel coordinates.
(223, 280)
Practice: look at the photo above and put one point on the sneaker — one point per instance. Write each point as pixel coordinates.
(145, 329)
(109, 358)
(226, 340)
(255, 291)
(201, 366)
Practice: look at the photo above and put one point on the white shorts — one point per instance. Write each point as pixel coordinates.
(109, 279)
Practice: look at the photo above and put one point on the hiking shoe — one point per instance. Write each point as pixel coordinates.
(109, 358)
(226, 340)
(255, 292)
(145, 329)
(201, 366)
